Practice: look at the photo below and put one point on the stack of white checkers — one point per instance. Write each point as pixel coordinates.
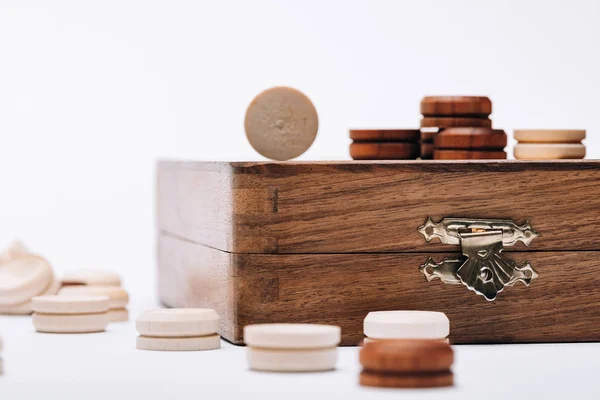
(292, 347)
(23, 276)
(70, 314)
(549, 144)
(117, 298)
(385, 325)
(178, 329)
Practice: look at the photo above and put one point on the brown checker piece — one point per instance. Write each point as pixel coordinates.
(385, 135)
(407, 356)
(452, 122)
(468, 155)
(428, 136)
(422, 380)
(471, 138)
(427, 150)
(384, 151)
(465, 106)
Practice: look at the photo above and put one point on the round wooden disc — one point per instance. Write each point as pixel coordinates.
(471, 138)
(385, 135)
(281, 123)
(452, 122)
(549, 151)
(427, 150)
(468, 155)
(465, 106)
(406, 355)
(423, 380)
(549, 135)
(384, 151)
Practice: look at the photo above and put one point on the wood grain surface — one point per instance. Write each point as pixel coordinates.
(340, 289)
(466, 106)
(451, 122)
(468, 155)
(385, 135)
(423, 380)
(384, 151)
(471, 139)
(358, 207)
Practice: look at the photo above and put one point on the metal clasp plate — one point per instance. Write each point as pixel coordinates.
(481, 268)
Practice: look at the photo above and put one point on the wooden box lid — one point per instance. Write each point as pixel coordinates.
(373, 207)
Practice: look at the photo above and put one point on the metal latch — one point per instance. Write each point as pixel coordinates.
(482, 267)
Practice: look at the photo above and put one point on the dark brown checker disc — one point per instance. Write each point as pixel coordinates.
(427, 150)
(428, 136)
(464, 106)
(384, 151)
(385, 135)
(406, 355)
(421, 380)
(453, 122)
(468, 155)
(471, 138)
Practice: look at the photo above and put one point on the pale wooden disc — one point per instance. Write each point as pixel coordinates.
(406, 325)
(70, 304)
(178, 322)
(22, 278)
(554, 151)
(92, 277)
(70, 323)
(292, 360)
(281, 123)
(549, 135)
(26, 308)
(118, 315)
(292, 336)
(195, 343)
(15, 249)
(118, 297)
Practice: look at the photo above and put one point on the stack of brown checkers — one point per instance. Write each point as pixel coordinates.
(442, 113)
(384, 144)
(549, 144)
(406, 364)
(470, 144)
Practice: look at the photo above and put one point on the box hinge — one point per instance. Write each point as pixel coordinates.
(482, 267)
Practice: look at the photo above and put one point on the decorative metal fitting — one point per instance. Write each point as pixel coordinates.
(481, 268)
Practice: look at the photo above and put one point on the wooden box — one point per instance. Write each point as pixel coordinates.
(327, 242)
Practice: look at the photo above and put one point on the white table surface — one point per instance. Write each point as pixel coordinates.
(107, 366)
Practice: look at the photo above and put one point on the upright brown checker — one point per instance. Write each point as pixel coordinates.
(468, 155)
(385, 135)
(471, 138)
(384, 151)
(427, 150)
(465, 106)
(406, 355)
(451, 122)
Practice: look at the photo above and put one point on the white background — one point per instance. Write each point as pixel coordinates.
(93, 92)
